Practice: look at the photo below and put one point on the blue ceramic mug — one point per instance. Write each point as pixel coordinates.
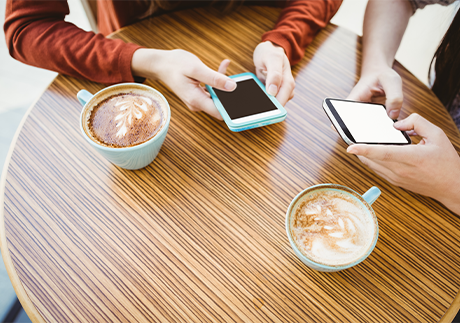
(365, 200)
(134, 157)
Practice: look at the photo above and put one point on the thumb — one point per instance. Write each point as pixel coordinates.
(361, 92)
(213, 78)
(382, 153)
(223, 66)
(392, 85)
(419, 125)
(274, 74)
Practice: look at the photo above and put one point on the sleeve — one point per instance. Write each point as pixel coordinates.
(298, 24)
(420, 4)
(36, 34)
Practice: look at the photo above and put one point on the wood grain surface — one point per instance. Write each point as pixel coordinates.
(198, 235)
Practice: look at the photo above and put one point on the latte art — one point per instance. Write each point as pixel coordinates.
(126, 119)
(130, 109)
(332, 228)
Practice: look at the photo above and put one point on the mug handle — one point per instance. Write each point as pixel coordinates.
(371, 195)
(84, 96)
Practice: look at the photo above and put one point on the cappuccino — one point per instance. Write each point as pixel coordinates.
(332, 227)
(126, 119)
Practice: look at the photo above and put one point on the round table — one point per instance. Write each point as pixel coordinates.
(199, 234)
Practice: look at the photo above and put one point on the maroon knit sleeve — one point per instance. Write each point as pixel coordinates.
(298, 24)
(36, 34)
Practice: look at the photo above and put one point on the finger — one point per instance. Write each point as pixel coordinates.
(202, 73)
(333, 128)
(209, 107)
(392, 85)
(361, 92)
(286, 91)
(223, 66)
(274, 66)
(386, 153)
(199, 100)
(419, 125)
(262, 74)
(203, 87)
(376, 91)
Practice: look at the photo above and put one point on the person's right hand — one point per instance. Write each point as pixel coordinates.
(274, 70)
(375, 85)
(183, 72)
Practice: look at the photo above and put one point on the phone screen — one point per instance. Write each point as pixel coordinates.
(246, 100)
(367, 123)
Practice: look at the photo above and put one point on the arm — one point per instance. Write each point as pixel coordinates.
(384, 25)
(298, 24)
(383, 28)
(285, 45)
(36, 34)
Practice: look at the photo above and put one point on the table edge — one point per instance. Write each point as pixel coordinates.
(452, 311)
(21, 293)
(26, 303)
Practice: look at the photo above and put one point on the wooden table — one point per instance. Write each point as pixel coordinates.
(199, 234)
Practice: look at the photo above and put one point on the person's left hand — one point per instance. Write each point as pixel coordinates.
(431, 167)
(273, 69)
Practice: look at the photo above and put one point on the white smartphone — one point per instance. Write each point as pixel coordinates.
(363, 123)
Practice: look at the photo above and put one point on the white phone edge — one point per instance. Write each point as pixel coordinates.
(336, 124)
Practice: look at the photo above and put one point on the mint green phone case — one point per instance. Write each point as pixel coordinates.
(254, 123)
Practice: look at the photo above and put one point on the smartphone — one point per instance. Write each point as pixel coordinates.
(249, 105)
(363, 123)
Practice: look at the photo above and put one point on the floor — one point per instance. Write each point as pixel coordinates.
(21, 85)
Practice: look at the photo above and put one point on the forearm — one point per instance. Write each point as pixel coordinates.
(384, 25)
(37, 34)
(451, 196)
(298, 24)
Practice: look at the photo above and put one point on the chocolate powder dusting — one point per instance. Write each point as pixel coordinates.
(125, 120)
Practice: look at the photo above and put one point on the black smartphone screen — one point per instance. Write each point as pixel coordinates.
(366, 123)
(246, 100)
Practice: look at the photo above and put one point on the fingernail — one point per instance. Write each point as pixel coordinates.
(393, 114)
(230, 85)
(350, 149)
(398, 123)
(272, 89)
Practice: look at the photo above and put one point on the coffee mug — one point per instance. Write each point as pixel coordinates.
(134, 157)
(366, 200)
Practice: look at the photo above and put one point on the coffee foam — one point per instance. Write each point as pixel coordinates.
(125, 117)
(332, 227)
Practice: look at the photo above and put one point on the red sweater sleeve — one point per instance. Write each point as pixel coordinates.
(298, 24)
(36, 34)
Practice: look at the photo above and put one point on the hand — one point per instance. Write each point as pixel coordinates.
(377, 84)
(273, 69)
(183, 72)
(431, 167)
